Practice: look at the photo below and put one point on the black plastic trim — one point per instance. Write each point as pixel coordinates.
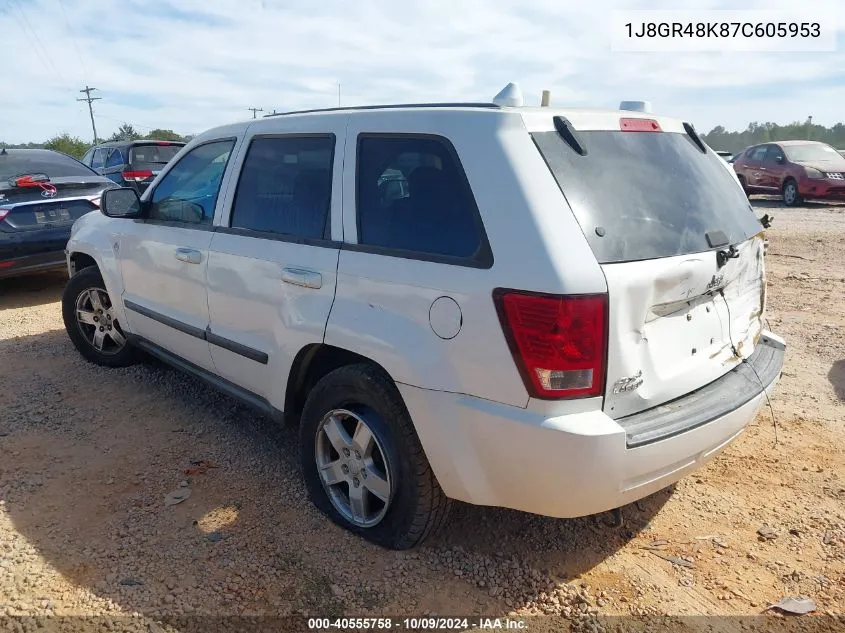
(166, 320)
(483, 255)
(279, 237)
(690, 130)
(233, 346)
(721, 397)
(567, 132)
(207, 335)
(221, 384)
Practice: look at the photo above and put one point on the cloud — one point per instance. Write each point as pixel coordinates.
(198, 63)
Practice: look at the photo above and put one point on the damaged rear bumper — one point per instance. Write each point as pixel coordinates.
(578, 464)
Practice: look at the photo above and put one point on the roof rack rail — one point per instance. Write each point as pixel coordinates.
(390, 106)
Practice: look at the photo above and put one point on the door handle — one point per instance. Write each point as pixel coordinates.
(302, 277)
(189, 255)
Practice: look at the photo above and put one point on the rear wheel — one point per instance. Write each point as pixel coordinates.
(791, 197)
(362, 460)
(91, 321)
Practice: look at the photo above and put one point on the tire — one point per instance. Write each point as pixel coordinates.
(77, 294)
(416, 506)
(789, 191)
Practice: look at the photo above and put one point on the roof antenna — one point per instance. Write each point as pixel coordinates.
(510, 96)
(636, 106)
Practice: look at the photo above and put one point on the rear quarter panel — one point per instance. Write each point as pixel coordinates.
(382, 306)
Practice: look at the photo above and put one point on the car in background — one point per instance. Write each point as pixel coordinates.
(131, 163)
(795, 170)
(42, 193)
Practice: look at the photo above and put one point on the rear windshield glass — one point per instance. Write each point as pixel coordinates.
(153, 153)
(645, 195)
(55, 165)
(810, 152)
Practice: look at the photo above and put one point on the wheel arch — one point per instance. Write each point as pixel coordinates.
(312, 363)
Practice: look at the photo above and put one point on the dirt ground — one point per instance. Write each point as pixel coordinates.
(87, 456)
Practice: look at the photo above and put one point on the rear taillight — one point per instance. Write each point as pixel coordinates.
(559, 343)
(4, 213)
(137, 176)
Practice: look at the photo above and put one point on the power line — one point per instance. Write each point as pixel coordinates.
(89, 99)
(46, 57)
(73, 39)
(255, 112)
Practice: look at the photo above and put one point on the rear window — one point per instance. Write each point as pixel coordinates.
(53, 164)
(646, 195)
(153, 153)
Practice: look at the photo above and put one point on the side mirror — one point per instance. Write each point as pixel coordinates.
(779, 159)
(122, 202)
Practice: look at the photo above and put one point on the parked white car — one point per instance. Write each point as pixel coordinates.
(558, 311)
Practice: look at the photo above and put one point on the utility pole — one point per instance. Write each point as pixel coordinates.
(255, 112)
(89, 99)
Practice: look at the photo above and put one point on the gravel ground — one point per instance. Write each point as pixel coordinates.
(89, 454)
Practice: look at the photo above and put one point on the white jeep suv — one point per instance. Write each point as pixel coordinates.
(553, 310)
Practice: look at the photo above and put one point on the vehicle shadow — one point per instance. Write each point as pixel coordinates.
(90, 454)
(836, 376)
(31, 290)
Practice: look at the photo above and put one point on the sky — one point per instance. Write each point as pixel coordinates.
(189, 65)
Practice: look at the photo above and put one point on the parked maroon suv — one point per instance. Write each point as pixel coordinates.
(794, 169)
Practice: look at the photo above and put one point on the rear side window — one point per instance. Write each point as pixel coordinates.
(413, 196)
(758, 153)
(647, 195)
(115, 159)
(159, 154)
(99, 157)
(286, 186)
(774, 154)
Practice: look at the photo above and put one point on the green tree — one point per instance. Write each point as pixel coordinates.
(67, 144)
(125, 133)
(159, 134)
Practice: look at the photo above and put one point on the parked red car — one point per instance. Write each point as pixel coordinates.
(796, 170)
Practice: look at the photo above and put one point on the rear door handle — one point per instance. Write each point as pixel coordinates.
(189, 255)
(302, 277)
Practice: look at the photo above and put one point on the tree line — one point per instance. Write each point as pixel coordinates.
(76, 147)
(720, 139)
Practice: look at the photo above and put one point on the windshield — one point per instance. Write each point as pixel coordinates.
(153, 153)
(54, 165)
(810, 152)
(647, 195)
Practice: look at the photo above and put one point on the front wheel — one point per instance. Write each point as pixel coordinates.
(91, 321)
(791, 197)
(362, 460)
